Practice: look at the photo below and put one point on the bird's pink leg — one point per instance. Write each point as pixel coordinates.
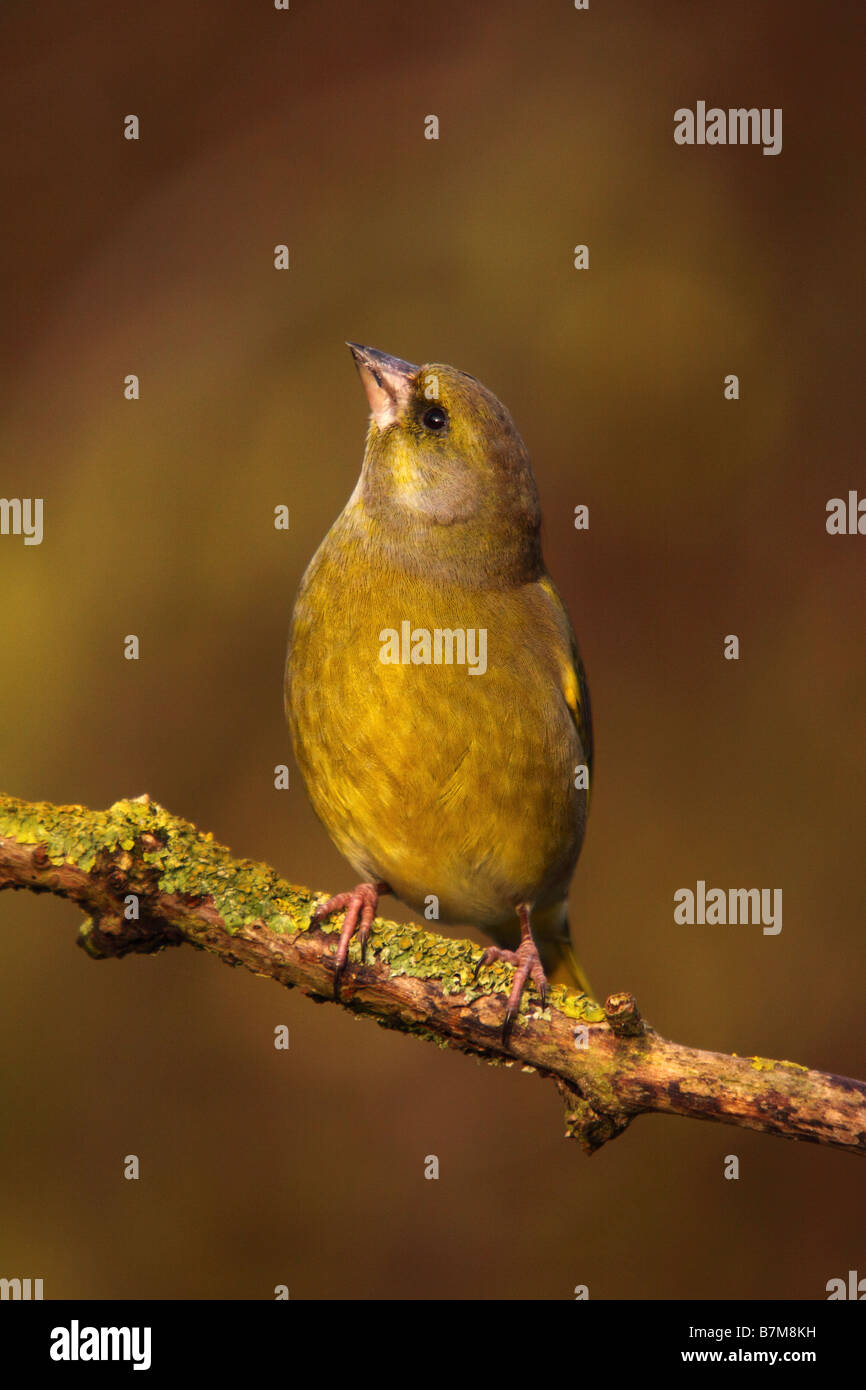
(527, 963)
(361, 904)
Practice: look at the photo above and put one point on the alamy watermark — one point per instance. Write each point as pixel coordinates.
(735, 907)
(738, 125)
(22, 516)
(441, 646)
(20, 1289)
(77, 1343)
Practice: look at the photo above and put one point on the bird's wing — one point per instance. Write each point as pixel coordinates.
(572, 676)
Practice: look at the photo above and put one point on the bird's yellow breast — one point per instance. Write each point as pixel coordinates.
(451, 779)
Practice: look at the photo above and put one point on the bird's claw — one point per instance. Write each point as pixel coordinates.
(360, 905)
(527, 966)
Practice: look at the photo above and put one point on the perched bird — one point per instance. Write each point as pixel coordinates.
(437, 702)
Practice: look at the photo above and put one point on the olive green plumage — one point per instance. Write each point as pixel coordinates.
(430, 778)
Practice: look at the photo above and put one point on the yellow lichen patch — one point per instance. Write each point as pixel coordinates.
(768, 1064)
(575, 1005)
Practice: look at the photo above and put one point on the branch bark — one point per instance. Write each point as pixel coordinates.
(147, 880)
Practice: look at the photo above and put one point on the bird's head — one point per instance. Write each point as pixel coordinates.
(445, 466)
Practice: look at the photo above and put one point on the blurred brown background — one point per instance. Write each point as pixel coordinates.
(707, 518)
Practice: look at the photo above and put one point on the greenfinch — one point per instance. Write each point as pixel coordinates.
(437, 702)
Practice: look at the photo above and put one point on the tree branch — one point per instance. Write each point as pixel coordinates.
(147, 880)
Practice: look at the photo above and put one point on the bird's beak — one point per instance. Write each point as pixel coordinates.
(387, 381)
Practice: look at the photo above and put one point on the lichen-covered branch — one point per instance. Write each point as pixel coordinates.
(146, 880)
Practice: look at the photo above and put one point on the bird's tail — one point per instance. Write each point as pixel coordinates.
(568, 970)
(553, 938)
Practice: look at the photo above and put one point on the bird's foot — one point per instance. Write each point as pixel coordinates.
(360, 905)
(527, 966)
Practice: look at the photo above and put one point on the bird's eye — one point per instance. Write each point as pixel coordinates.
(435, 418)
